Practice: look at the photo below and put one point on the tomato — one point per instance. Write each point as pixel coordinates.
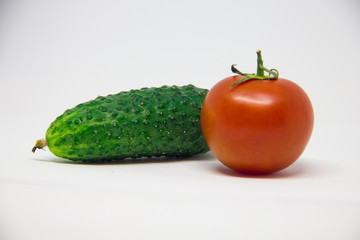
(257, 126)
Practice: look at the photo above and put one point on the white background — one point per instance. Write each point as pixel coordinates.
(56, 54)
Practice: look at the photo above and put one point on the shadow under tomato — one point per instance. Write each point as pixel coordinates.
(295, 170)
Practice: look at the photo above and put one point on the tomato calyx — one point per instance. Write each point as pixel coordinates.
(273, 74)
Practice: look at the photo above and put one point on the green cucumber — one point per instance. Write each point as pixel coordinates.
(148, 122)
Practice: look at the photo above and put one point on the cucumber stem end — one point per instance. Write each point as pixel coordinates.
(40, 144)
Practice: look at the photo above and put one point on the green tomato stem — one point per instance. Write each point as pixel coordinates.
(273, 74)
(260, 65)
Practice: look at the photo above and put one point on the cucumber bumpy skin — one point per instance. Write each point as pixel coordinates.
(157, 121)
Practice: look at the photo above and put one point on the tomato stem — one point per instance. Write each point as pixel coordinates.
(273, 74)
(260, 65)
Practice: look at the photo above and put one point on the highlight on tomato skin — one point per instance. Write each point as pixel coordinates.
(257, 126)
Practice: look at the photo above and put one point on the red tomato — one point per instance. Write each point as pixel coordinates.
(258, 126)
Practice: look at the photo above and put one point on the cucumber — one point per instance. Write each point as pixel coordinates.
(147, 122)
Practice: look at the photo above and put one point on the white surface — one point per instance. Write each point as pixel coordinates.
(56, 54)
